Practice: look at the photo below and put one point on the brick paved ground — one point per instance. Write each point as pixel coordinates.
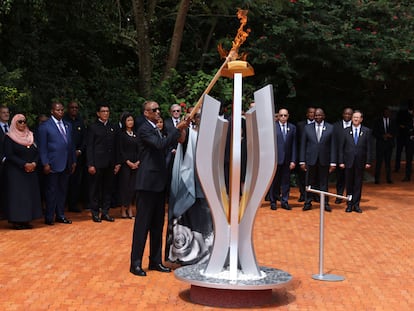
(85, 266)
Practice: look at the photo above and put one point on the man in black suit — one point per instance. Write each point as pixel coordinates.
(339, 127)
(384, 131)
(151, 184)
(101, 162)
(286, 160)
(4, 128)
(410, 147)
(355, 156)
(404, 122)
(318, 154)
(300, 174)
(78, 138)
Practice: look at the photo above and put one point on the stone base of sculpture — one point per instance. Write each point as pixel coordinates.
(220, 291)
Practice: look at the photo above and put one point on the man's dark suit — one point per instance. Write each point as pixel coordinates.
(318, 155)
(2, 175)
(300, 174)
(60, 155)
(151, 184)
(75, 180)
(340, 173)
(355, 157)
(286, 153)
(384, 142)
(101, 154)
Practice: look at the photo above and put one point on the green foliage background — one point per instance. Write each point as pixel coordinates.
(326, 53)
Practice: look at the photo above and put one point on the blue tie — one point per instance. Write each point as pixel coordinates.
(356, 136)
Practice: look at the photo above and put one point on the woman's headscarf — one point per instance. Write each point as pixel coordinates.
(24, 137)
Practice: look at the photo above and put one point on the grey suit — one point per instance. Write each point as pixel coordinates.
(318, 155)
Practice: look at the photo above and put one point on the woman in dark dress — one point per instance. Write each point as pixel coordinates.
(23, 195)
(128, 157)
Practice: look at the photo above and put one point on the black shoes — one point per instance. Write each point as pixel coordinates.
(49, 222)
(137, 270)
(96, 218)
(63, 220)
(406, 178)
(158, 267)
(307, 207)
(356, 208)
(22, 226)
(328, 208)
(301, 199)
(273, 206)
(286, 206)
(338, 201)
(106, 217)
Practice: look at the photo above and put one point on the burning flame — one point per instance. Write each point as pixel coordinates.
(239, 39)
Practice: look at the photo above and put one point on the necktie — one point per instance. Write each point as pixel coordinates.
(386, 125)
(318, 132)
(6, 128)
(356, 136)
(284, 131)
(62, 131)
(159, 132)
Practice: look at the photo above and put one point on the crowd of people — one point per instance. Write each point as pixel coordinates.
(143, 160)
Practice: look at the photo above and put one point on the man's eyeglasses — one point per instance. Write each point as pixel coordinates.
(283, 115)
(176, 111)
(21, 121)
(154, 109)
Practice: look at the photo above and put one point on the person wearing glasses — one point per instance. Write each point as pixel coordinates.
(57, 155)
(23, 203)
(151, 184)
(101, 162)
(286, 160)
(170, 125)
(354, 157)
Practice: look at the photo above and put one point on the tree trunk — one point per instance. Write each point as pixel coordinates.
(177, 37)
(143, 12)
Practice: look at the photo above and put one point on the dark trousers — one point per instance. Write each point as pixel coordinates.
(340, 180)
(409, 159)
(354, 177)
(56, 189)
(75, 187)
(318, 176)
(301, 181)
(100, 190)
(149, 218)
(281, 185)
(401, 144)
(383, 154)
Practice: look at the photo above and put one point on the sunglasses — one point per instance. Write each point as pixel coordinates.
(21, 121)
(283, 115)
(155, 109)
(176, 111)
